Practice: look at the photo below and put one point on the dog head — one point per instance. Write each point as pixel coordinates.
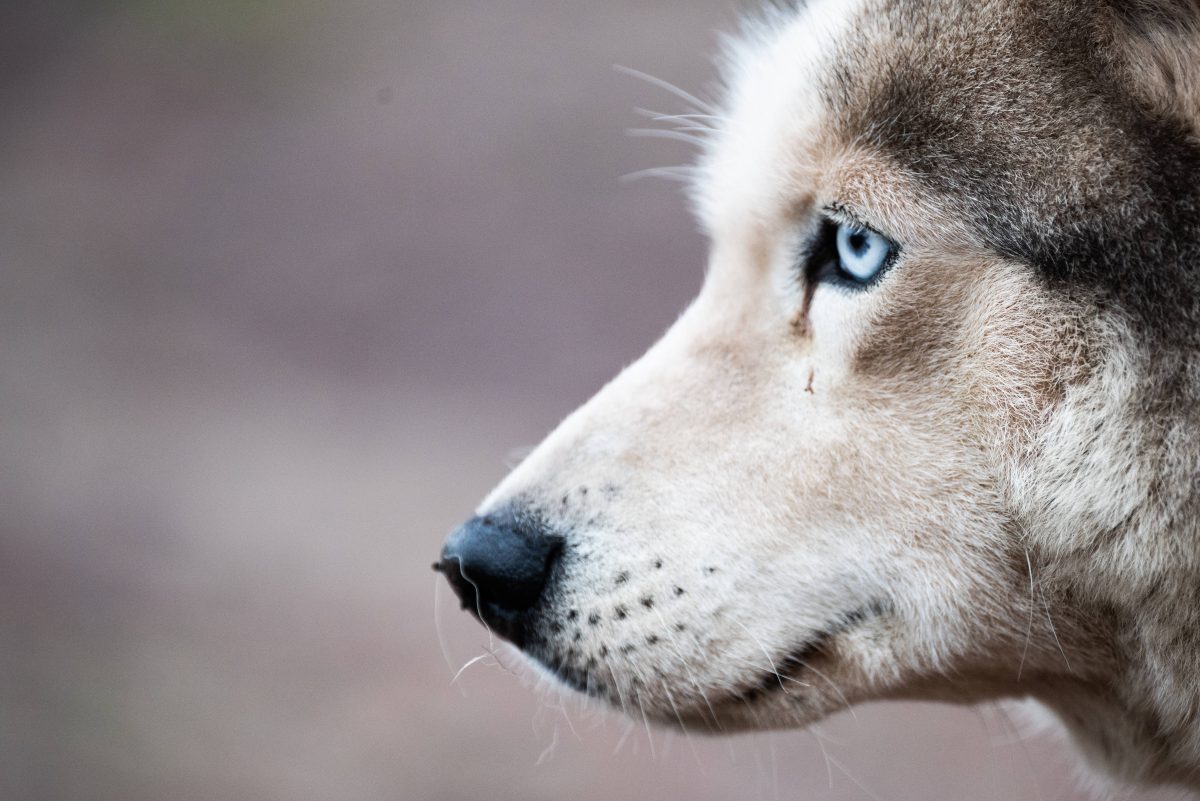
(917, 436)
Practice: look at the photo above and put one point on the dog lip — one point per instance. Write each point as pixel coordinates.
(796, 659)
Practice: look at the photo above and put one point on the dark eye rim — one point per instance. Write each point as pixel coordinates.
(820, 261)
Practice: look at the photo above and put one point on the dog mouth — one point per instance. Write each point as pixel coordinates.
(599, 675)
(795, 661)
(644, 646)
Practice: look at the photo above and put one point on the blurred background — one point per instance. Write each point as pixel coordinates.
(284, 287)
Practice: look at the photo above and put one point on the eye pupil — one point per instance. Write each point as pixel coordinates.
(858, 243)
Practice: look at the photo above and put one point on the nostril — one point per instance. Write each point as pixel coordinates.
(498, 565)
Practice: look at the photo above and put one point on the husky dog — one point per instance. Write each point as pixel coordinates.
(931, 429)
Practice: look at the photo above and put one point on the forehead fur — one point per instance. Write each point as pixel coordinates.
(1015, 115)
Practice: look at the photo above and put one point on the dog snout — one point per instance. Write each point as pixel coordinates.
(499, 567)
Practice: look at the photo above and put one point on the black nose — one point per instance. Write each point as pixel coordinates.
(498, 565)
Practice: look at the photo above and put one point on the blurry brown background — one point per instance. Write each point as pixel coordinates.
(283, 284)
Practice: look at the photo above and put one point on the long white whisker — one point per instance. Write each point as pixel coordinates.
(548, 749)
(620, 695)
(1054, 631)
(659, 133)
(762, 648)
(821, 744)
(795, 680)
(682, 174)
(500, 663)
(836, 689)
(687, 734)
(1029, 628)
(646, 721)
(850, 776)
(669, 87)
(768, 669)
(470, 662)
(478, 608)
(441, 635)
(562, 710)
(630, 725)
(692, 678)
(691, 119)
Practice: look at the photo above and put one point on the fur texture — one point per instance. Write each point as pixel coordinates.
(978, 478)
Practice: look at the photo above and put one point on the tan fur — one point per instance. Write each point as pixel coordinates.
(1160, 56)
(969, 481)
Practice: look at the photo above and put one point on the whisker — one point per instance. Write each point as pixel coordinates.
(562, 710)
(630, 725)
(757, 666)
(795, 680)
(659, 133)
(683, 174)
(500, 663)
(831, 683)
(478, 608)
(470, 662)
(659, 116)
(687, 734)
(875, 796)
(1029, 628)
(762, 648)
(692, 678)
(620, 695)
(1053, 631)
(646, 721)
(441, 635)
(549, 749)
(825, 753)
(669, 87)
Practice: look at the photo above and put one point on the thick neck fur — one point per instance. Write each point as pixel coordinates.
(1114, 518)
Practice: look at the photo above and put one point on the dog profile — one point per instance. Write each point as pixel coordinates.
(931, 429)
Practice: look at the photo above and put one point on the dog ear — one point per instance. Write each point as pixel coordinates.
(1156, 46)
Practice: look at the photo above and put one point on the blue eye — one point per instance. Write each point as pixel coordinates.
(846, 255)
(862, 254)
